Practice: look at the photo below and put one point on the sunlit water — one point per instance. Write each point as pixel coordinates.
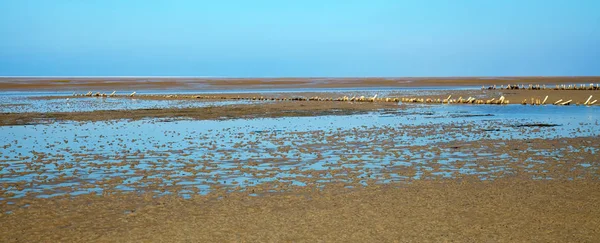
(19, 103)
(76, 157)
(26, 101)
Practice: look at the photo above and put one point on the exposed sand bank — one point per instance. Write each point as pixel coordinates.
(279, 108)
(275, 109)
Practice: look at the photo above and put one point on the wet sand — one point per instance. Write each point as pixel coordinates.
(578, 96)
(516, 190)
(510, 210)
(406, 173)
(278, 109)
(284, 106)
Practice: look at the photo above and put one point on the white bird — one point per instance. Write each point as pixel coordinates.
(447, 100)
(544, 102)
(374, 97)
(132, 94)
(588, 100)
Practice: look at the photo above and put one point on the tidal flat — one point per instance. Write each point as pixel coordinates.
(298, 160)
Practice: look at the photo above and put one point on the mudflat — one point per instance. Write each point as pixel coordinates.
(325, 165)
(507, 210)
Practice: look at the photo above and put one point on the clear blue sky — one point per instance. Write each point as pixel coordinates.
(273, 38)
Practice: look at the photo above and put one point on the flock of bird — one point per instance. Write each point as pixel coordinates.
(543, 87)
(98, 94)
(460, 100)
(314, 98)
(588, 102)
(500, 101)
(494, 101)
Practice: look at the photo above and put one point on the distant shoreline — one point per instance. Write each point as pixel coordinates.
(57, 83)
(292, 77)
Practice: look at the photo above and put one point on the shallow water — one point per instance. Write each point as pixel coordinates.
(26, 103)
(21, 101)
(193, 155)
(242, 91)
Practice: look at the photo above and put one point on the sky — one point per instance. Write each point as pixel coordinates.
(309, 38)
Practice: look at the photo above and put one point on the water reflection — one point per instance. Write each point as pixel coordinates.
(20, 104)
(193, 156)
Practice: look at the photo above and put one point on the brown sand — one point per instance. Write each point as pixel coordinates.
(277, 109)
(509, 210)
(120, 84)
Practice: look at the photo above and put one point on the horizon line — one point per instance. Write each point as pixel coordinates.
(238, 77)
